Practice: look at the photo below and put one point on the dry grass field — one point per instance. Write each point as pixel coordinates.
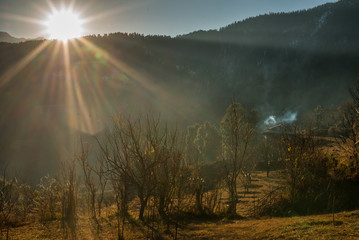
(345, 226)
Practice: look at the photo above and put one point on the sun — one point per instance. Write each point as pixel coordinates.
(64, 24)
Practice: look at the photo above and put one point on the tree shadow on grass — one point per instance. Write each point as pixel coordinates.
(325, 223)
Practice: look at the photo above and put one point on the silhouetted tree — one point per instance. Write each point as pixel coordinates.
(238, 128)
(208, 142)
(9, 196)
(88, 175)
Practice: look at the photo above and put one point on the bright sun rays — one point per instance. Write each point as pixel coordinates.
(64, 24)
(87, 105)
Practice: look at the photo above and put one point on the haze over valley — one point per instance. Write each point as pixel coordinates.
(274, 63)
(169, 121)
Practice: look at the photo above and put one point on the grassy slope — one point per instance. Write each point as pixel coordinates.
(309, 227)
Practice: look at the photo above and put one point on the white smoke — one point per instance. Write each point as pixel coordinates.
(270, 120)
(288, 117)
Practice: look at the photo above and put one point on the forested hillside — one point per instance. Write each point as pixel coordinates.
(273, 63)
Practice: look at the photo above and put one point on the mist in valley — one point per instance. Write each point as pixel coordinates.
(154, 118)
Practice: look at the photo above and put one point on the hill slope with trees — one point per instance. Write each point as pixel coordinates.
(273, 63)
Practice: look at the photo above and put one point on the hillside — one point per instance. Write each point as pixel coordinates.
(274, 63)
(288, 56)
(5, 37)
(345, 225)
(309, 227)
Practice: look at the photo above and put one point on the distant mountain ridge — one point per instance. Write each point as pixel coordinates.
(6, 37)
(331, 27)
(304, 53)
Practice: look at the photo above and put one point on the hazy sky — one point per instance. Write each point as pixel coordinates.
(166, 17)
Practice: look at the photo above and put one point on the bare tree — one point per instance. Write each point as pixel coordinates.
(142, 165)
(238, 128)
(195, 161)
(349, 141)
(129, 143)
(348, 135)
(120, 185)
(8, 200)
(26, 199)
(116, 154)
(88, 174)
(202, 147)
(102, 183)
(47, 198)
(169, 172)
(69, 197)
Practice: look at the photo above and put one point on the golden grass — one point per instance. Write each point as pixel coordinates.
(310, 227)
(346, 225)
